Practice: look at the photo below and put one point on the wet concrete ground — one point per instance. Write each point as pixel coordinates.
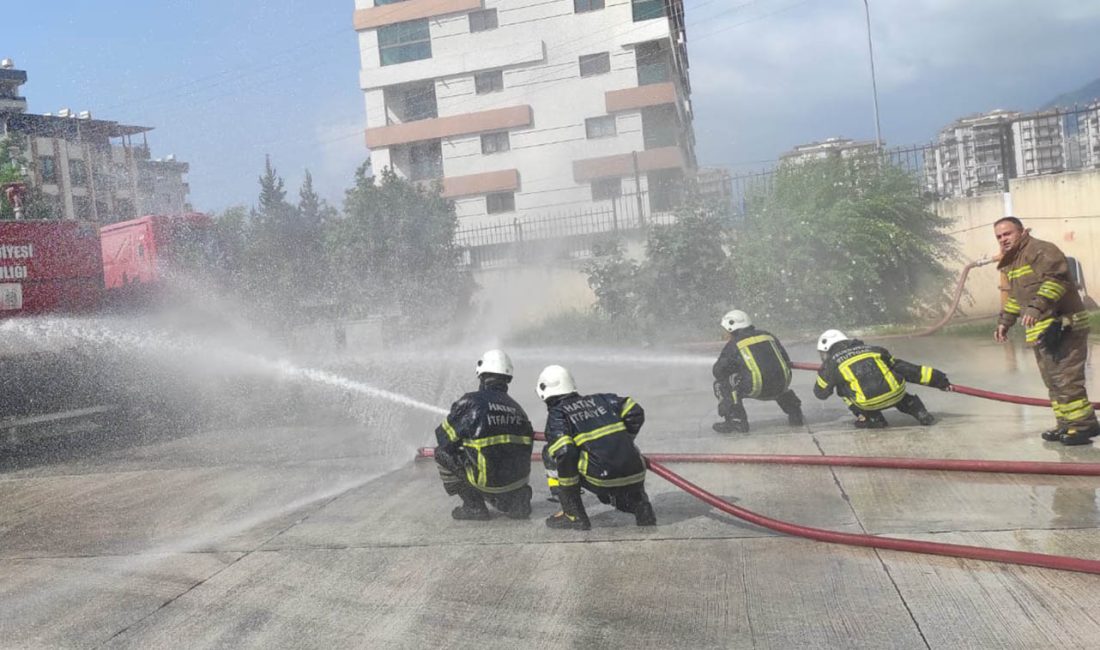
(330, 536)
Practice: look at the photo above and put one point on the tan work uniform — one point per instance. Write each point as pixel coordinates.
(1039, 285)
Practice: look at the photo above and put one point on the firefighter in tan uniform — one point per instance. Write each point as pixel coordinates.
(1044, 298)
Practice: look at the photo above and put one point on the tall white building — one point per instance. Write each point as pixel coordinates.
(971, 155)
(1040, 143)
(524, 108)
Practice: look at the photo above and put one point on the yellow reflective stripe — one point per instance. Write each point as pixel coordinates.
(821, 382)
(925, 374)
(883, 401)
(589, 436)
(501, 489)
(1079, 320)
(559, 443)
(750, 361)
(630, 403)
(888, 375)
(582, 465)
(1011, 306)
(1036, 330)
(449, 430)
(616, 482)
(850, 377)
(1080, 409)
(552, 481)
(570, 481)
(1056, 407)
(786, 368)
(1051, 289)
(1019, 272)
(505, 439)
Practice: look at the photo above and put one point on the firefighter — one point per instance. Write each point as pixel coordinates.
(485, 443)
(753, 364)
(1045, 299)
(590, 444)
(870, 380)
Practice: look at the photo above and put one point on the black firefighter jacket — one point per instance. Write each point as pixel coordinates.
(595, 435)
(492, 436)
(869, 377)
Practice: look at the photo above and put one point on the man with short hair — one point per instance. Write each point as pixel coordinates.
(485, 444)
(1045, 300)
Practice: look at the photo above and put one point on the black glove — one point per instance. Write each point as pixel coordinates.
(940, 381)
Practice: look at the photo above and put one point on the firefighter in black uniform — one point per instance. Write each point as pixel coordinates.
(485, 443)
(870, 380)
(590, 444)
(753, 364)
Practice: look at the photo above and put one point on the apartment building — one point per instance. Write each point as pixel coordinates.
(1040, 143)
(522, 108)
(972, 155)
(842, 148)
(89, 169)
(1088, 136)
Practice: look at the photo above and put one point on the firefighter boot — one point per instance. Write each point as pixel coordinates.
(1055, 434)
(731, 425)
(472, 508)
(572, 515)
(792, 406)
(1079, 435)
(870, 420)
(643, 510)
(516, 504)
(912, 405)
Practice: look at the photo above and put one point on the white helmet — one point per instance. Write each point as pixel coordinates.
(828, 338)
(736, 320)
(496, 362)
(554, 381)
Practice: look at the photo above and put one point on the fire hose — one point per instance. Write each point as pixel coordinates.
(1059, 562)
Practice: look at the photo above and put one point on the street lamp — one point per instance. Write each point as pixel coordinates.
(874, 84)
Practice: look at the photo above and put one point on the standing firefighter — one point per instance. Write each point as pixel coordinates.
(870, 380)
(590, 443)
(753, 364)
(1044, 298)
(485, 444)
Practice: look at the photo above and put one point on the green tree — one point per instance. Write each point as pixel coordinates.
(394, 251)
(841, 242)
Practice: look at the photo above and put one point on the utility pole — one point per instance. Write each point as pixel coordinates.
(874, 83)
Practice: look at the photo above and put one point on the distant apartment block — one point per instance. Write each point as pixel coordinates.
(972, 155)
(1088, 136)
(842, 148)
(525, 108)
(1040, 143)
(89, 169)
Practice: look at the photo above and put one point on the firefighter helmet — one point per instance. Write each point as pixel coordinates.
(554, 381)
(736, 320)
(828, 338)
(495, 362)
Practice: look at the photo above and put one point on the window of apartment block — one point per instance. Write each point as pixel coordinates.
(599, 127)
(495, 142)
(410, 102)
(47, 167)
(408, 41)
(660, 126)
(653, 63)
(594, 64)
(500, 202)
(483, 21)
(607, 188)
(489, 81)
(647, 9)
(78, 172)
(425, 160)
(581, 6)
(82, 208)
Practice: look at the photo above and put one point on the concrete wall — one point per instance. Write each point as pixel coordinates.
(514, 298)
(1060, 208)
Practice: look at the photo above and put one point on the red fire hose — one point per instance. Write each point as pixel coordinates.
(1059, 562)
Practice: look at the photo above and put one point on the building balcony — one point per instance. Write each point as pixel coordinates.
(624, 164)
(399, 12)
(444, 127)
(505, 180)
(628, 99)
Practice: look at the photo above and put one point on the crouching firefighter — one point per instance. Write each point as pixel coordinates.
(590, 444)
(752, 365)
(485, 443)
(870, 380)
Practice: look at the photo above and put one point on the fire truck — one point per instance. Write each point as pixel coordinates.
(70, 268)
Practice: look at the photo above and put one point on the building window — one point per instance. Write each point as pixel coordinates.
(500, 202)
(594, 64)
(408, 41)
(647, 9)
(607, 188)
(82, 208)
(483, 21)
(47, 167)
(490, 81)
(425, 161)
(78, 172)
(599, 127)
(581, 6)
(660, 126)
(495, 142)
(653, 63)
(411, 102)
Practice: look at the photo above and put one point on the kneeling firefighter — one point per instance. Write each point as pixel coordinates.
(870, 380)
(752, 365)
(485, 444)
(590, 444)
